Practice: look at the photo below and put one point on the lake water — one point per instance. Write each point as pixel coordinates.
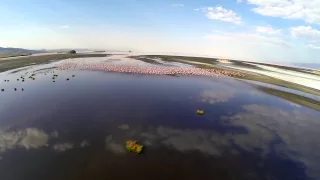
(77, 128)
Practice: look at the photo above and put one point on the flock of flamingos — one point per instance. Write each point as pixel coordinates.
(156, 69)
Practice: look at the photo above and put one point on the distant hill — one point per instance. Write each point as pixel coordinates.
(12, 51)
(65, 50)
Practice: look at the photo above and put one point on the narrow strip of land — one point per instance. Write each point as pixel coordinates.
(17, 62)
(212, 63)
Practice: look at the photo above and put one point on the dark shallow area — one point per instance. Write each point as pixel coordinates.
(77, 128)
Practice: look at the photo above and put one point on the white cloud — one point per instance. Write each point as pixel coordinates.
(112, 146)
(313, 46)
(298, 130)
(306, 10)
(267, 30)
(34, 138)
(28, 138)
(221, 14)
(306, 32)
(187, 140)
(246, 38)
(239, 1)
(9, 140)
(177, 5)
(64, 27)
(213, 97)
(62, 147)
(124, 127)
(84, 143)
(55, 134)
(115, 38)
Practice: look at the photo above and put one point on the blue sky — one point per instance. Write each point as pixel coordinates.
(257, 30)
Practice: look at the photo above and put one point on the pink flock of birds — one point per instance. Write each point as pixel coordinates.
(157, 70)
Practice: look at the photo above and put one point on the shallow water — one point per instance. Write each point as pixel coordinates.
(76, 129)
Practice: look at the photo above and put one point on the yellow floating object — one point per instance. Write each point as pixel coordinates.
(200, 112)
(132, 146)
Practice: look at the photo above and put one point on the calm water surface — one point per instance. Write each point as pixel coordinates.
(76, 129)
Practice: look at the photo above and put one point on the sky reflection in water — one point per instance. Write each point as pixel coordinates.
(76, 129)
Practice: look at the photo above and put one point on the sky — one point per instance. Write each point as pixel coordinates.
(256, 30)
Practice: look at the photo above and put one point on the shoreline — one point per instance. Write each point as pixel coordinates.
(203, 63)
(18, 62)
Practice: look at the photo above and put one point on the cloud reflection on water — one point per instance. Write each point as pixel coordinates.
(124, 127)
(297, 132)
(84, 143)
(28, 138)
(290, 134)
(62, 147)
(31, 138)
(112, 146)
(212, 97)
(187, 139)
